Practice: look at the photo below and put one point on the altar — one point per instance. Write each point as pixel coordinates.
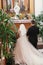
(27, 22)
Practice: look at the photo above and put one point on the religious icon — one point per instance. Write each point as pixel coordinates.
(16, 8)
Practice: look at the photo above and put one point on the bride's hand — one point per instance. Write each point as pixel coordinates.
(18, 34)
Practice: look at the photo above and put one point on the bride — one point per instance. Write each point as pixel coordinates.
(25, 53)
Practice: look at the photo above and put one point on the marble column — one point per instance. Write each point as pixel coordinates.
(38, 7)
(11, 4)
(4, 5)
(0, 4)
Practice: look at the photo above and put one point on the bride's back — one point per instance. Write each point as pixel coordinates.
(22, 30)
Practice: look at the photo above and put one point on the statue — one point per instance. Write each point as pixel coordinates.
(16, 8)
(22, 7)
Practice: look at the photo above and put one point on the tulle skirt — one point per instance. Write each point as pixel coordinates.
(26, 54)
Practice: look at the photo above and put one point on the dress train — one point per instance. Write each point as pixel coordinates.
(25, 53)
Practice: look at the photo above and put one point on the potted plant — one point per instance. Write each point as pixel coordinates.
(39, 21)
(7, 35)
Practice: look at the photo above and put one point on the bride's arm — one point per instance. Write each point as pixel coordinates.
(18, 34)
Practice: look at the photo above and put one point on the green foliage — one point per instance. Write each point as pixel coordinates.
(39, 21)
(10, 60)
(7, 35)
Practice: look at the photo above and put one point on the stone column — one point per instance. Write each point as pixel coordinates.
(0, 4)
(38, 7)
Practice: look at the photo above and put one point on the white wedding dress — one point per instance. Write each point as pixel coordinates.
(25, 53)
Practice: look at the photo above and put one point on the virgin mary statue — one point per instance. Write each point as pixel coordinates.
(16, 8)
